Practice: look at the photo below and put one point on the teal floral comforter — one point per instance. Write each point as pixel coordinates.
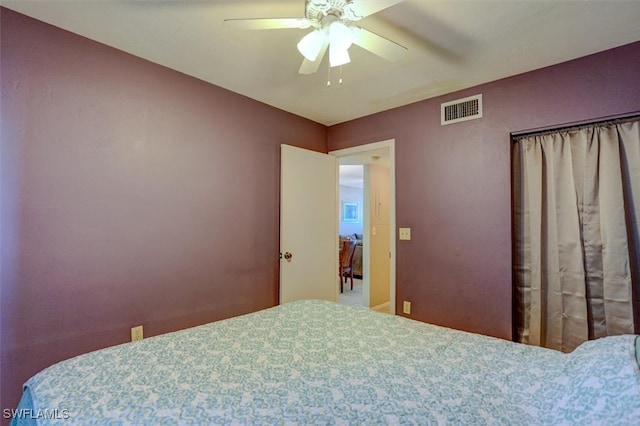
(320, 363)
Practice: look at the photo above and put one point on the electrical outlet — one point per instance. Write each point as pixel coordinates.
(136, 333)
(405, 233)
(406, 307)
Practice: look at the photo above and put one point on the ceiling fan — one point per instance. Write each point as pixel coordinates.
(331, 23)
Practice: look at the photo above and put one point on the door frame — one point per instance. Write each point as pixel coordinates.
(390, 145)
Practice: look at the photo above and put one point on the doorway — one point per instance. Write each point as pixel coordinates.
(378, 221)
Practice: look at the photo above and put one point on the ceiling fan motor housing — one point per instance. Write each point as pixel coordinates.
(342, 10)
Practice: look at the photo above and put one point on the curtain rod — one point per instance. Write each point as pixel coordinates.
(575, 124)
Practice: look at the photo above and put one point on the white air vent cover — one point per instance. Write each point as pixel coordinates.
(461, 110)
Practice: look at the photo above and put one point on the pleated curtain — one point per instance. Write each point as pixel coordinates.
(576, 224)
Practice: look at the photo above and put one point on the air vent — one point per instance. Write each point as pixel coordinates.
(461, 110)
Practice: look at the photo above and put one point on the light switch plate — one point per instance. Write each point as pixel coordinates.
(405, 233)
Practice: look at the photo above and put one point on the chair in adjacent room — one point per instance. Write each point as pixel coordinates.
(345, 268)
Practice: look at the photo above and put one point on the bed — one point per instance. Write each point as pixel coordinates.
(316, 362)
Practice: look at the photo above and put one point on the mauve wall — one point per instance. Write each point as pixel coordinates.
(131, 194)
(453, 182)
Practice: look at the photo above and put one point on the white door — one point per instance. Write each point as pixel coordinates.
(308, 225)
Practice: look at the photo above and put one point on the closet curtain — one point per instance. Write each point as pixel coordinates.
(576, 225)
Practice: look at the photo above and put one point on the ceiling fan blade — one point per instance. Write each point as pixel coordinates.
(378, 45)
(267, 23)
(364, 8)
(309, 67)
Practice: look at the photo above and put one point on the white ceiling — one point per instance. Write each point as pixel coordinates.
(451, 45)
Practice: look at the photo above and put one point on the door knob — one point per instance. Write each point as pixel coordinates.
(288, 256)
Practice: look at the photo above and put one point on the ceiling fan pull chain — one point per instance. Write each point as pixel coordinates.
(340, 80)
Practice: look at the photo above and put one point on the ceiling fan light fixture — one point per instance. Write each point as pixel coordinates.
(340, 39)
(338, 56)
(311, 44)
(340, 35)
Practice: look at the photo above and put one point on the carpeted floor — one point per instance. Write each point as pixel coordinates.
(354, 297)
(351, 297)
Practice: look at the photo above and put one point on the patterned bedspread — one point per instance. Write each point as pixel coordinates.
(314, 362)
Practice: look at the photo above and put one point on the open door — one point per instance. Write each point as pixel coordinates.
(370, 154)
(308, 225)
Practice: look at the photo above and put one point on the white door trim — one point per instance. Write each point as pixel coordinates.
(390, 144)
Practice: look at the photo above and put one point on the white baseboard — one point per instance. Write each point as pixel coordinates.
(384, 308)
